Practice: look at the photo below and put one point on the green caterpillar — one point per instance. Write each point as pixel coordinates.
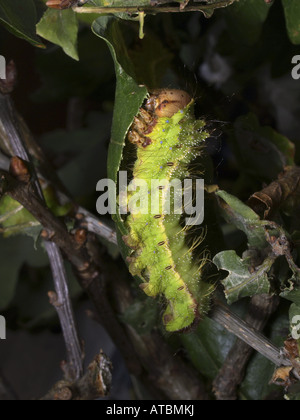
(168, 139)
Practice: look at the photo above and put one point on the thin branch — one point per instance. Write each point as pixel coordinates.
(11, 137)
(154, 10)
(92, 224)
(248, 334)
(62, 303)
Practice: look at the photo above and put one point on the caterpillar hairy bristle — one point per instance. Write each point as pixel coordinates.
(167, 138)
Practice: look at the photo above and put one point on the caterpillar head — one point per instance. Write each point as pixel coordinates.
(166, 102)
(162, 103)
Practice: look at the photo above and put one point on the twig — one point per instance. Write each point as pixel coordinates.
(281, 246)
(249, 335)
(232, 373)
(62, 303)
(11, 138)
(96, 226)
(154, 9)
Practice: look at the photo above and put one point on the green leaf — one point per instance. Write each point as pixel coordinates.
(245, 19)
(256, 385)
(292, 18)
(243, 279)
(207, 347)
(292, 295)
(61, 28)
(285, 147)
(244, 218)
(129, 95)
(15, 219)
(19, 17)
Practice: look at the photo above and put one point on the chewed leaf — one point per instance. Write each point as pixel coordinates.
(243, 280)
(244, 218)
(292, 294)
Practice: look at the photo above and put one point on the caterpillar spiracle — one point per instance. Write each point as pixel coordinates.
(167, 138)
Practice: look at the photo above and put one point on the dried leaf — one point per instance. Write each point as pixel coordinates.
(282, 376)
(284, 192)
(291, 348)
